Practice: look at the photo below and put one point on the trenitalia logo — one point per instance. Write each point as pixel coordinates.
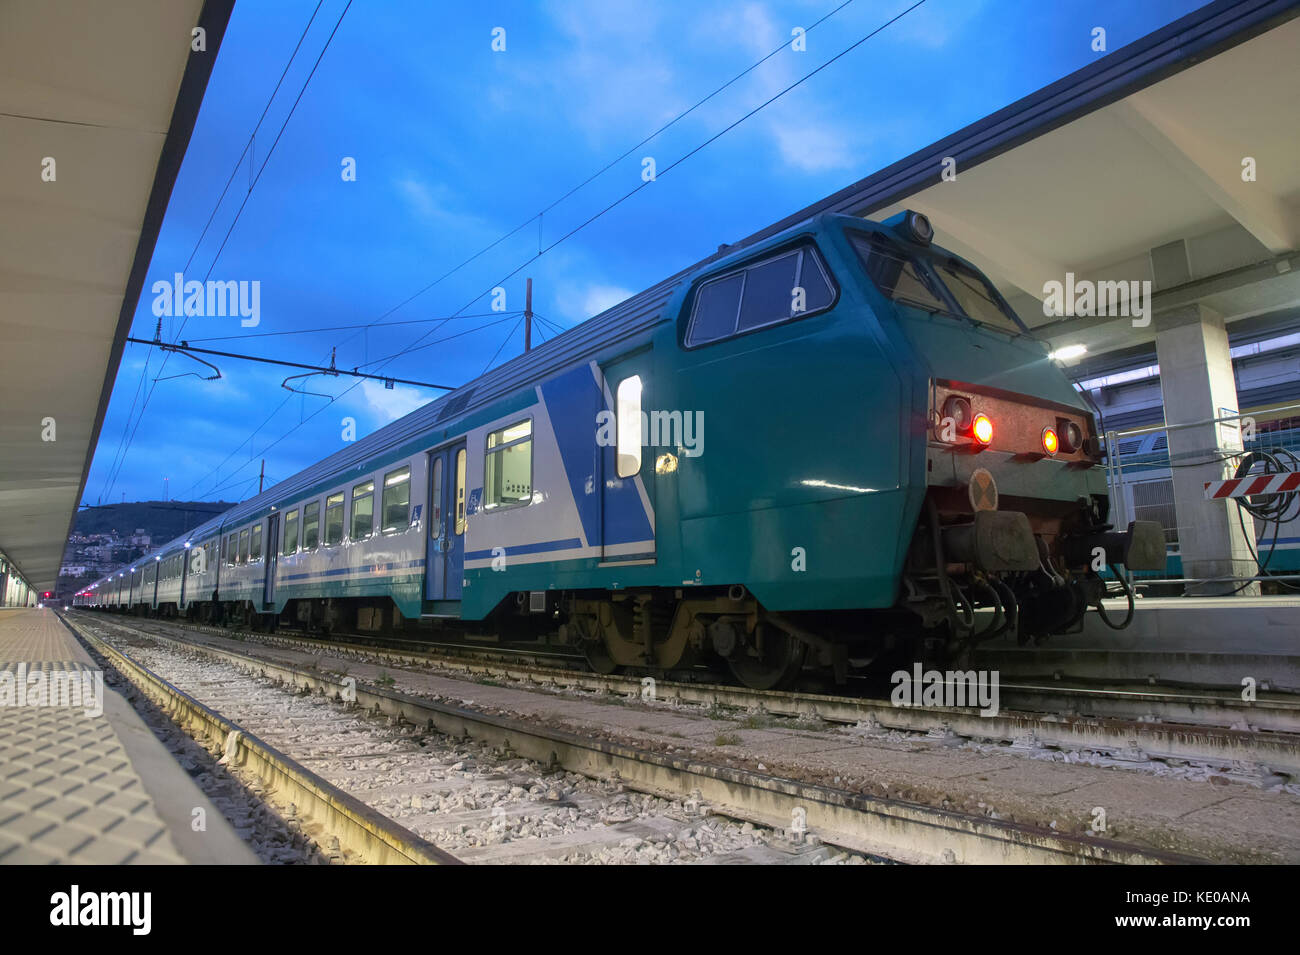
(75, 907)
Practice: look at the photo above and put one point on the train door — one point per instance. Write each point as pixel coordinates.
(444, 564)
(185, 576)
(627, 457)
(272, 553)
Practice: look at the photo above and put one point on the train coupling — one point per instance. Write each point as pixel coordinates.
(994, 541)
(1141, 547)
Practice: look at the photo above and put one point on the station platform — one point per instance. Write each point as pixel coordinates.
(1191, 640)
(83, 780)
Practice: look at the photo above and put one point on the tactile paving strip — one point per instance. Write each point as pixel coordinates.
(68, 791)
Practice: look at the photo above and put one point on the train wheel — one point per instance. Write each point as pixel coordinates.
(777, 666)
(598, 657)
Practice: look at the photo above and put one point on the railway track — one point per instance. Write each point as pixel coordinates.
(345, 828)
(1257, 740)
(841, 818)
(480, 801)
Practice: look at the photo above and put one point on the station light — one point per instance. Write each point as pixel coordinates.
(1051, 443)
(982, 428)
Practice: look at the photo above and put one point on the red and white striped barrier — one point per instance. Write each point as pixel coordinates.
(1249, 486)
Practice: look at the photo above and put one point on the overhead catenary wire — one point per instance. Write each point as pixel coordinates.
(383, 362)
(344, 328)
(537, 217)
(252, 185)
(331, 370)
(677, 162)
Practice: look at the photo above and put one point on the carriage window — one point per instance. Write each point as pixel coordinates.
(508, 468)
(397, 499)
(629, 426)
(363, 510)
(787, 286)
(290, 544)
(435, 500)
(334, 519)
(243, 546)
(460, 491)
(311, 525)
(232, 549)
(255, 543)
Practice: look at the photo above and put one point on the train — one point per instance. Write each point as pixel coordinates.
(804, 453)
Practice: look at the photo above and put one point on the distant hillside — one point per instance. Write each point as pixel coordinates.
(161, 520)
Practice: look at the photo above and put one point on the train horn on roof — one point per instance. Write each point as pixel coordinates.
(912, 226)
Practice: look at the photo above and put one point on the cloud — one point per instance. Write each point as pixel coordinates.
(389, 404)
(811, 146)
(578, 303)
(433, 202)
(934, 27)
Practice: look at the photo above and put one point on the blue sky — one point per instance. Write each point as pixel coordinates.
(456, 144)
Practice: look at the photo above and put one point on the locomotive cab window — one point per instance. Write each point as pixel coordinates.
(310, 525)
(396, 504)
(934, 282)
(334, 519)
(897, 274)
(780, 288)
(976, 296)
(508, 469)
(363, 510)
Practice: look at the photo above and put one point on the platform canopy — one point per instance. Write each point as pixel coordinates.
(97, 103)
(1141, 149)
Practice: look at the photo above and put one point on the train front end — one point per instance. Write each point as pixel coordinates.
(1015, 516)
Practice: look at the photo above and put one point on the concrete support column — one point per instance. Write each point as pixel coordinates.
(1197, 385)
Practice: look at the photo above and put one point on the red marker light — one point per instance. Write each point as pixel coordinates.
(982, 428)
(1051, 443)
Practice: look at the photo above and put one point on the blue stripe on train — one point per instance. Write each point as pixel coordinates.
(397, 565)
(572, 402)
(538, 548)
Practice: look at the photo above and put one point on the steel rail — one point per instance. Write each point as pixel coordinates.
(1197, 728)
(888, 828)
(371, 835)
